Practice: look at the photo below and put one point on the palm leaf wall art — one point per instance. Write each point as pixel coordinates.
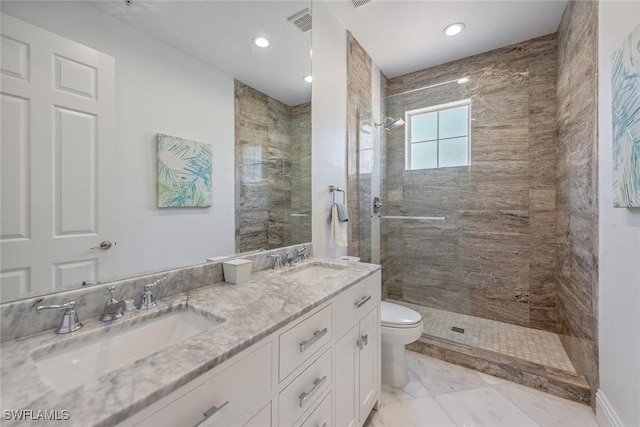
(184, 173)
(625, 84)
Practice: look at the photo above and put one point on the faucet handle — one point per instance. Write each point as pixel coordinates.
(69, 321)
(147, 301)
(277, 262)
(149, 286)
(70, 305)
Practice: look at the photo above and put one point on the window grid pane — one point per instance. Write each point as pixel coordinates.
(449, 148)
(424, 127)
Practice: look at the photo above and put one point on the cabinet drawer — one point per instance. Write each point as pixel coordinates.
(301, 394)
(241, 385)
(321, 416)
(301, 341)
(355, 302)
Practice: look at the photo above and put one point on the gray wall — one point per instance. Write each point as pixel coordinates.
(577, 198)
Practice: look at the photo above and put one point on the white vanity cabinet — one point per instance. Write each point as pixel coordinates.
(357, 352)
(322, 370)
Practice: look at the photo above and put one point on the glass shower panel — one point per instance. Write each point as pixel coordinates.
(419, 221)
(367, 169)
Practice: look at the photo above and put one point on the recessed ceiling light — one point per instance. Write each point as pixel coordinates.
(308, 79)
(453, 29)
(261, 41)
(464, 80)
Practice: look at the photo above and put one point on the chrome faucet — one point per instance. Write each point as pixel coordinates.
(113, 309)
(69, 321)
(303, 252)
(147, 302)
(277, 262)
(301, 255)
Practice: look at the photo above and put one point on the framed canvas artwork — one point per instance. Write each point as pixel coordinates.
(184, 173)
(625, 92)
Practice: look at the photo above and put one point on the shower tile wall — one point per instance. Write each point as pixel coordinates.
(577, 200)
(266, 164)
(495, 255)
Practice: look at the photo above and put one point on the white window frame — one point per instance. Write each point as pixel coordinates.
(439, 107)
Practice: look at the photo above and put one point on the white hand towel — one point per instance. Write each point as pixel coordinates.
(338, 238)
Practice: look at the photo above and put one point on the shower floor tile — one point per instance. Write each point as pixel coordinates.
(532, 345)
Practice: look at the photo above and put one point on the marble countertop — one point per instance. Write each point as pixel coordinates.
(251, 311)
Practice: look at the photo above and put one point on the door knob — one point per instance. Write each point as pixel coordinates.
(103, 245)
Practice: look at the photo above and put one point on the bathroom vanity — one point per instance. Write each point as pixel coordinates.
(295, 347)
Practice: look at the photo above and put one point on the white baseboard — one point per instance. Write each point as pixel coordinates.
(605, 414)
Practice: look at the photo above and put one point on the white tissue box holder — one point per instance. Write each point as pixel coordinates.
(237, 270)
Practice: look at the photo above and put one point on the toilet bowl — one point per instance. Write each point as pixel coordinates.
(399, 326)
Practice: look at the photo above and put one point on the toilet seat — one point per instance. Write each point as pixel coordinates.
(398, 316)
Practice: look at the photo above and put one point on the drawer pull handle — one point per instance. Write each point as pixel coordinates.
(323, 425)
(364, 340)
(317, 383)
(363, 301)
(316, 336)
(211, 412)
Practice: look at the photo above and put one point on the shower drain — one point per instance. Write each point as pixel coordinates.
(456, 329)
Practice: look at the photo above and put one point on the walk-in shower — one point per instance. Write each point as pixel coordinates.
(444, 206)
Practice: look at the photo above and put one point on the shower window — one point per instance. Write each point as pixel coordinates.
(438, 136)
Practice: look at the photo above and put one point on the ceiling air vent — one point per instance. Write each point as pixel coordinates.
(358, 3)
(302, 20)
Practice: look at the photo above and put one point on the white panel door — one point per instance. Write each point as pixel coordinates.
(58, 160)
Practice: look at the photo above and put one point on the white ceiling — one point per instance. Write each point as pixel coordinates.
(401, 36)
(404, 36)
(220, 33)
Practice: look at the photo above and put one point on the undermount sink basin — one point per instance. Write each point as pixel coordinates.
(313, 272)
(88, 358)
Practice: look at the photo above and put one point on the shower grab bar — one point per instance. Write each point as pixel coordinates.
(417, 218)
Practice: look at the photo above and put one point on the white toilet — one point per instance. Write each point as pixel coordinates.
(399, 326)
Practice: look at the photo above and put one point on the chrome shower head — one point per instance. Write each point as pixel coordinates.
(390, 123)
(394, 124)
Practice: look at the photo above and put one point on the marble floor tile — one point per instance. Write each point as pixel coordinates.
(483, 407)
(420, 412)
(438, 376)
(466, 398)
(490, 379)
(413, 389)
(545, 409)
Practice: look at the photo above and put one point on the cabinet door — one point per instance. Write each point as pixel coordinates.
(261, 419)
(346, 385)
(368, 366)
